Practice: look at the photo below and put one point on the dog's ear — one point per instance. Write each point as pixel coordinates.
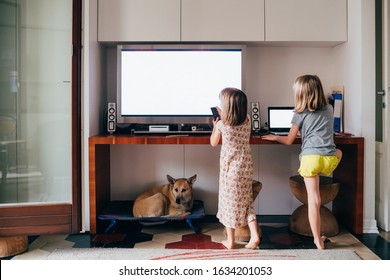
(191, 180)
(171, 180)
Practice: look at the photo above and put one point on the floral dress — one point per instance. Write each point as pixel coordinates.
(235, 199)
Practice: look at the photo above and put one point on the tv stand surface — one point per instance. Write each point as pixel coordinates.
(347, 206)
(181, 132)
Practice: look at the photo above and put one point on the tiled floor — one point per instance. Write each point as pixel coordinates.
(176, 235)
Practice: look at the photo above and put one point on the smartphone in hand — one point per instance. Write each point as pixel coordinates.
(215, 113)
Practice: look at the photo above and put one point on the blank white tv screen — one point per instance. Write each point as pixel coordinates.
(176, 82)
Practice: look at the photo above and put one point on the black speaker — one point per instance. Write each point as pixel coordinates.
(255, 116)
(111, 118)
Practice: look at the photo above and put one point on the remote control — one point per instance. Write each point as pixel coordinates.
(215, 113)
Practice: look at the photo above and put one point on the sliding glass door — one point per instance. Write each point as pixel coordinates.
(36, 108)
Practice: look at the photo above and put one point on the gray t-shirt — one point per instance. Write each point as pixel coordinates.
(316, 131)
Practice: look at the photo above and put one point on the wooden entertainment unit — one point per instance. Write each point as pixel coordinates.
(347, 207)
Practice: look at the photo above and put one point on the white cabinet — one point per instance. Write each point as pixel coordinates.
(306, 20)
(138, 20)
(222, 20)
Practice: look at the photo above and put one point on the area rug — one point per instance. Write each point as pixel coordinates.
(207, 254)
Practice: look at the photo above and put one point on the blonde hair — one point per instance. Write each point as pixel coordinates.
(308, 93)
(234, 106)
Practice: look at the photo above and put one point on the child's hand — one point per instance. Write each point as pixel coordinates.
(215, 122)
(270, 137)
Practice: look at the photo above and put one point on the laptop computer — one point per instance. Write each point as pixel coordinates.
(279, 119)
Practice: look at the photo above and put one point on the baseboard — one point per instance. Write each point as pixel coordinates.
(370, 226)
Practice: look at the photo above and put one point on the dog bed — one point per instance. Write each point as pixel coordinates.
(122, 210)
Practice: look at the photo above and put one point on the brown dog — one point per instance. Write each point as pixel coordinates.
(171, 200)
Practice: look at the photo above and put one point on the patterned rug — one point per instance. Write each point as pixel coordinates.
(207, 254)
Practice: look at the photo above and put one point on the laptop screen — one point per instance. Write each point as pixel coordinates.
(279, 119)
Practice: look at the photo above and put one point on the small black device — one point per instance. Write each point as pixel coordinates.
(215, 113)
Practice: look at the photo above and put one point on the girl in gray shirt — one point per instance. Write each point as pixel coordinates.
(313, 119)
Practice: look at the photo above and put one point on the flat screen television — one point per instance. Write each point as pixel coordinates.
(175, 84)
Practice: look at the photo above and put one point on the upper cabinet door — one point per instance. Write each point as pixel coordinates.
(306, 20)
(138, 20)
(222, 20)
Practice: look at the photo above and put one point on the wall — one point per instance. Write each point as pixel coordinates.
(94, 93)
(354, 66)
(271, 73)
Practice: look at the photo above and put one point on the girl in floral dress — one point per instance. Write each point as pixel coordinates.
(235, 199)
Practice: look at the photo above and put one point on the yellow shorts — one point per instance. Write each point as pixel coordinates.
(312, 165)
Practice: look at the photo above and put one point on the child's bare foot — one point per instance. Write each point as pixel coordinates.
(228, 244)
(320, 243)
(253, 244)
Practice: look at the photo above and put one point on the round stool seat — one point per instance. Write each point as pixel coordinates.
(243, 234)
(11, 246)
(329, 188)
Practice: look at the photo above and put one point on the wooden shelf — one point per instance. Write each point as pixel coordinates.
(347, 207)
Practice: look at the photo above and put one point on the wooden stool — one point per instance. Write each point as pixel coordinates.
(299, 221)
(11, 246)
(243, 234)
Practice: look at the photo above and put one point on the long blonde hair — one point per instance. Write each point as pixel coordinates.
(234, 106)
(308, 93)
